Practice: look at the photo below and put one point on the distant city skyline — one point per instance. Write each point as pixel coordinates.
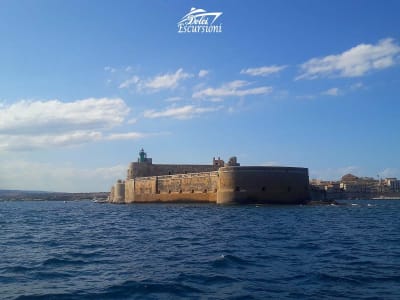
(85, 85)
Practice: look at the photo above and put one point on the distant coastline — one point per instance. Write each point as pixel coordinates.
(22, 195)
(354, 187)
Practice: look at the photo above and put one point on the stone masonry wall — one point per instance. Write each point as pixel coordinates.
(196, 187)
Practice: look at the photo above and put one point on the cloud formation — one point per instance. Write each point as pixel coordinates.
(168, 80)
(159, 82)
(59, 177)
(354, 62)
(182, 113)
(331, 92)
(232, 89)
(203, 73)
(26, 125)
(127, 83)
(54, 115)
(263, 71)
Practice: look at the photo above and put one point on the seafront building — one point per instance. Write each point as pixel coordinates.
(353, 187)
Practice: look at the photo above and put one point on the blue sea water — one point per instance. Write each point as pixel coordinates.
(85, 250)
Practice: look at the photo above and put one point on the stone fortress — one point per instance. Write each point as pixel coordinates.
(219, 182)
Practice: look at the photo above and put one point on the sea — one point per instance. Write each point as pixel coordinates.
(87, 250)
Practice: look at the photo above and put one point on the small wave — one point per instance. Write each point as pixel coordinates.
(58, 296)
(17, 269)
(143, 288)
(337, 279)
(229, 260)
(124, 290)
(62, 262)
(81, 254)
(206, 279)
(51, 275)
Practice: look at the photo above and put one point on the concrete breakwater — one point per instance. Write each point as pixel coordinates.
(216, 183)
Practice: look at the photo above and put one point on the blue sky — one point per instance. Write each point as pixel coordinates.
(85, 84)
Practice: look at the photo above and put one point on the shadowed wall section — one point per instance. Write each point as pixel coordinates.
(269, 185)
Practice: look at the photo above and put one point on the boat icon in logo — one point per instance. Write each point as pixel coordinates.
(199, 20)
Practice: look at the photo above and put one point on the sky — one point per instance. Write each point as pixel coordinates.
(84, 85)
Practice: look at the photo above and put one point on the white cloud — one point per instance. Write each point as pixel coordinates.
(357, 86)
(159, 82)
(167, 81)
(54, 115)
(27, 125)
(203, 73)
(263, 71)
(24, 142)
(131, 81)
(67, 139)
(131, 121)
(354, 62)
(125, 136)
(331, 92)
(233, 89)
(173, 99)
(216, 99)
(61, 177)
(183, 112)
(110, 69)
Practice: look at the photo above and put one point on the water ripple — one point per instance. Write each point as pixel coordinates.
(80, 250)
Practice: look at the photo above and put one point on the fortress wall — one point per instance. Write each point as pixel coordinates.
(228, 185)
(282, 185)
(197, 182)
(195, 187)
(145, 169)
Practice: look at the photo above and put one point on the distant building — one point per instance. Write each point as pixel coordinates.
(333, 187)
(393, 184)
(354, 184)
